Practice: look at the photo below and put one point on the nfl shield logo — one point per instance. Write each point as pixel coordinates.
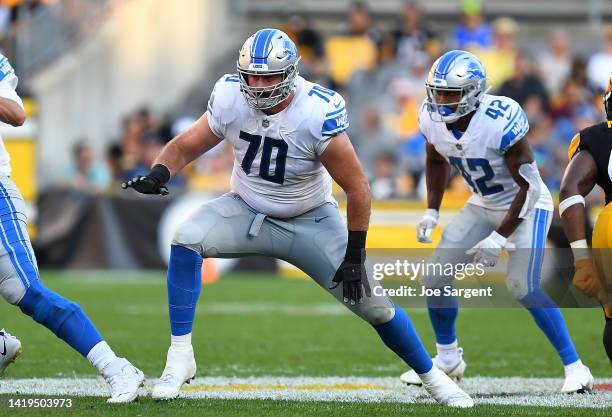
(265, 123)
(459, 147)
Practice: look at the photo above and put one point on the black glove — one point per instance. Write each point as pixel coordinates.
(352, 272)
(152, 183)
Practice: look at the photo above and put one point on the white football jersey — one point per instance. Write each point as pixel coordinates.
(8, 84)
(277, 170)
(478, 154)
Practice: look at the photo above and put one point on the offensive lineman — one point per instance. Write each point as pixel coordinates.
(288, 136)
(20, 282)
(482, 136)
(590, 155)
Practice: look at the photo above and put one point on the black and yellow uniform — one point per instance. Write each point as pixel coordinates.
(597, 140)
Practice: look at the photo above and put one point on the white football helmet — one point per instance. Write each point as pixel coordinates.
(455, 71)
(267, 52)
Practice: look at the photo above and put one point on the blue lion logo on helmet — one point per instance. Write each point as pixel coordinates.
(290, 49)
(475, 71)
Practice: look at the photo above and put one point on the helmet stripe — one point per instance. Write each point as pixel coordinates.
(254, 45)
(255, 38)
(267, 43)
(446, 61)
(261, 43)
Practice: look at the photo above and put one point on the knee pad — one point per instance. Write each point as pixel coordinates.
(376, 315)
(46, 307)
(12, 289)
(517, 289)
(189, 235)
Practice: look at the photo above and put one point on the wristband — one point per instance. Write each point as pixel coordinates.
(160, 173)
(499, 239)
(355, 245)
(570, 201)
(432, 213)
(580, 249)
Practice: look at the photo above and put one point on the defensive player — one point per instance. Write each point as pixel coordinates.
(482, 136)
(590, 155)
(20, 283)
(289, 136)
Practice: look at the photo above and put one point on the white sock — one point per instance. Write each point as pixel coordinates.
(448, 354)
(101, 355)
(427, 377)
(573, 366)
(181, 342)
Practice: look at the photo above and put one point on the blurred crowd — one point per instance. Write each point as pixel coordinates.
(381, 75)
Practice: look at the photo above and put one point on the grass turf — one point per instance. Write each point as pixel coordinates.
(261, 325)
(146, 407)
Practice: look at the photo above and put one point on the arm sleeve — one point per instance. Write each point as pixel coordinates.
(513, 128)
(330, 120)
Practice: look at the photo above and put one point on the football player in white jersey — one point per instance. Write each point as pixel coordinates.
(20, 282)
(289, 140)
(483, 137)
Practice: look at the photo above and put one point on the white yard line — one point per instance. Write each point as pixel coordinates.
(542, 392)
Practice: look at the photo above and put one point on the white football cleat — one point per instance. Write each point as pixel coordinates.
(578, 380)
(455, 371)
(180, 368)
(444, 390)
(125, 382)
(10, 349)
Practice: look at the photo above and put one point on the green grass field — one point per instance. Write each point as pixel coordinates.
(265, 326)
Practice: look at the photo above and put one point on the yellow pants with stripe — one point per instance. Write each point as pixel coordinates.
(602, 245)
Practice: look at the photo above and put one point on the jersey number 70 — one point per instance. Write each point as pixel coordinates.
(278, 176)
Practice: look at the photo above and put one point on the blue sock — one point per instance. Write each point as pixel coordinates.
(400, 336)
(549, 319)
(443, 312)
(184, 286)
(63, 317)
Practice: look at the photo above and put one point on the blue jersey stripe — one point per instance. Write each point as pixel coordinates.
(512, 119)
(511, 137)
(335, 112)
(335, 131)
(334, 123)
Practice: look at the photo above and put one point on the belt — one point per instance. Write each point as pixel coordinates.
(256, 224)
